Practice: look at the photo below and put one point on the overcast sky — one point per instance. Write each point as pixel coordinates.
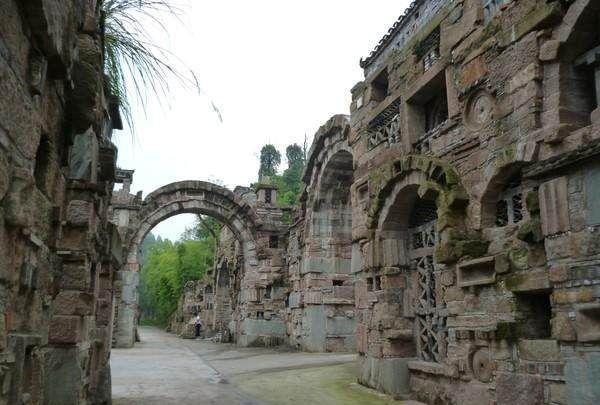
(277, 70)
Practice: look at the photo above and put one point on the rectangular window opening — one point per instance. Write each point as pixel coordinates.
(378, 283)
(533, 315)
(260, 315)
(273, 241)
(370, 284)
(436, 109)
(380, 86)
(338, 283)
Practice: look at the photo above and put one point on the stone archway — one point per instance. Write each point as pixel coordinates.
(196, 197)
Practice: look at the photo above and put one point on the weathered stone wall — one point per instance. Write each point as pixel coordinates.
(197, 299)
(475, 242)
(57, 166)
(321, 315)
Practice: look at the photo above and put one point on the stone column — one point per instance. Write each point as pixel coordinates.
(126, 289)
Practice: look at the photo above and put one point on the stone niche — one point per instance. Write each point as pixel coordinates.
(587, 322)
(479, 271)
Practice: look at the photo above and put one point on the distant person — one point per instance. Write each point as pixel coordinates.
(198, 324)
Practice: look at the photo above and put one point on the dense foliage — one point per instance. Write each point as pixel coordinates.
(270, 158)
(169, 266)
(289, 183)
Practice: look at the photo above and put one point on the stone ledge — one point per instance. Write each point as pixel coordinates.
(477, 272)
(433, 368)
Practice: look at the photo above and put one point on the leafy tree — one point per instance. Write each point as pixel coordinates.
(295, 155)
(147, 243)
(289, 183)
(169, 266)
(270, 159)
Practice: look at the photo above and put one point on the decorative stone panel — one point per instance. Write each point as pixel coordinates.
(554, 210)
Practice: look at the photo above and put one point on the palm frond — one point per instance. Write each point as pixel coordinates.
(132, 61)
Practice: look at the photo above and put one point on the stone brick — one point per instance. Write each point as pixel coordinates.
(562, 328)
(528, 281)
(582, 374)
(75, 276)
(542, 350)
(519, 389)
(74, 303)
(65, 330)
(569, 296)
(558, 273)
(80, 213)
(473, 71)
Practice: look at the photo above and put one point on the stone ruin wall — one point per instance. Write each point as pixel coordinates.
(321, 313)
(475, 226)
(466, 173)
(196, 299)
(58, 253)
(250, 257)
(259, 314)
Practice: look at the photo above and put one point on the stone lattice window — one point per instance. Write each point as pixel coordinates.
(268, 197)
(430, 321)
(422, 225)
(429, 49)
(509, 208)
(430, 58)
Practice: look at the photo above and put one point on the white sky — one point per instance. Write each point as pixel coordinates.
(277, 70)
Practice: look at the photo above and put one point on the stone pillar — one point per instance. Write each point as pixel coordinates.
(126, 290)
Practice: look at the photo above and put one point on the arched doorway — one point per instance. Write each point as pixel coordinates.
(194, 197)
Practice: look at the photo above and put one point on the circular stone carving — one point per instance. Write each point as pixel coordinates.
(482, 365)
(480, 110)
(4, 178)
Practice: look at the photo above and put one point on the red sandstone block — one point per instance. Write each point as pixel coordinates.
(74, 303)
(65, 330)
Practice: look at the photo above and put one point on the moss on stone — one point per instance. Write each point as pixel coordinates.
(519, 258)
(533, 202)
(515, 281)
(444, 253)
(506, 331)
(471, 247)
(531, 231)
